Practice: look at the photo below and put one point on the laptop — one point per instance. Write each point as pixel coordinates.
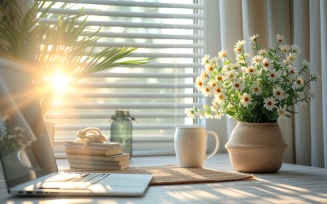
(28, 163)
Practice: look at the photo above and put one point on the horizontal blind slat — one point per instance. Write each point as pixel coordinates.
(148, 35)
(133, 24)
(153, 106)
(171, 65)
(159, 55)
(148, 45)
(143, 75)
(107, 127)
(135, 4)
(132, 95)
(105, 115)
(132, 85)
(124, 14)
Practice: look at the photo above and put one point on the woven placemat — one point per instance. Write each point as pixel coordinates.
(168, 175)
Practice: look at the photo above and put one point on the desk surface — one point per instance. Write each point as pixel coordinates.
(292, 184)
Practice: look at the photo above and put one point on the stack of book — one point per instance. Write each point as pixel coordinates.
(96, 156)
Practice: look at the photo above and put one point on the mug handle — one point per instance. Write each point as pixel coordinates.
(217, 143)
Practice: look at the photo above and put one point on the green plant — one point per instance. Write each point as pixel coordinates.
(66, 45)
(256, 89)
(10, 140)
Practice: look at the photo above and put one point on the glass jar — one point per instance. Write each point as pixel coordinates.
(121, 130)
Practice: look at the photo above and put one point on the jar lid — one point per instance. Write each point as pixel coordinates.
(122, 113)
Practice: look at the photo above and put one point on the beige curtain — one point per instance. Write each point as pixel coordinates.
(302, 22)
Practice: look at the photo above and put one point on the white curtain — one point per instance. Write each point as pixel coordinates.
(302, 22)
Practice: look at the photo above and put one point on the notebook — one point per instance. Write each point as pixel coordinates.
(27, 159)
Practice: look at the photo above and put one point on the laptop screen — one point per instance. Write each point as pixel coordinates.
(25, 149)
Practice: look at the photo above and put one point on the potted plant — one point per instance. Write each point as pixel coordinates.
(66, 45)
(256, 90)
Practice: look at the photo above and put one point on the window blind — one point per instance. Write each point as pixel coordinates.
(157, 94)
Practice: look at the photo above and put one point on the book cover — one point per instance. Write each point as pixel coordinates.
(95, 152)
(96, 146)
(95, 166)
(117, 157)
(95, 162)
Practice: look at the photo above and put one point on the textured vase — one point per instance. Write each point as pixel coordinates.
(256, 147)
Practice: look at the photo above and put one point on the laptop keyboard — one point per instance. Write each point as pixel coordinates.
(72, 180)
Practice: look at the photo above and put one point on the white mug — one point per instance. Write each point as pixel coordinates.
(190, 144)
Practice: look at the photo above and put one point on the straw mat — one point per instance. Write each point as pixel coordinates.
(172, 174)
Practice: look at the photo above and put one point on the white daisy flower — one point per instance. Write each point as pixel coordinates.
(250, 70)
(281, 112)
(220, 78)
(240, 43)
(231, 74)
(266, 63)
(272, 74)
(257, 59)
(220, 98)
(280, 38)
(213, 108)
(253, 38)
(205, 90)
(263, 52)
(214, 104)
(285, 48)
(226, 68)
(199, 83)
(238, 47)
(316, 75)
(213, 60)
(205, 59)
(256, 89)
(237, 85)
(243, 69)
(306, 64)
(212, 84)
(218, 115)
(278, 93)
(299, 82)
(218, 90)
(203, 75)
(296, 49)
(246, 99)
(270, 103)
(222, 54)
(208, 115)
(235, 66)
(292, 70)
(291, 57)
(258, 72)
(286, 62)
(209, 68)
(190, 113)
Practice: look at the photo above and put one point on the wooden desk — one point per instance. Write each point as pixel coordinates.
(292, 184)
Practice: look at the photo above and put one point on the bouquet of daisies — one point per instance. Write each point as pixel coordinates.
(258, 88)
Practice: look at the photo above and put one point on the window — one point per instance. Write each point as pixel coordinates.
(157, 94)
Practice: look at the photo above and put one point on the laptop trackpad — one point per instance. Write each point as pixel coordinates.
(123, 183)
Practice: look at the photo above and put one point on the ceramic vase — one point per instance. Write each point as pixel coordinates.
(256, 147)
